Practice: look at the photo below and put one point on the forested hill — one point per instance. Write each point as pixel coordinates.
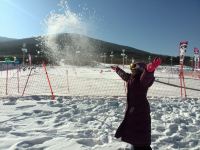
(14, 48)
(5, 39)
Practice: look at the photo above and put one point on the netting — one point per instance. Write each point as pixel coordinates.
(89, 81)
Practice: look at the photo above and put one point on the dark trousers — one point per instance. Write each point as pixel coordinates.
(141, 148)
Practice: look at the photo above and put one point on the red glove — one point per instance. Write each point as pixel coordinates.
(154, 64)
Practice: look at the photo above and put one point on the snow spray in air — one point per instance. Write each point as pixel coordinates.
(66, 35)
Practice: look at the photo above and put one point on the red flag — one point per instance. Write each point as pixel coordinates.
(196, 50)
(184, 43)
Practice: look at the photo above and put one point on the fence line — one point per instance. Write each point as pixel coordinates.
(88, 81)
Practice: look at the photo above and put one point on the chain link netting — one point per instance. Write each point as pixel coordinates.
(89, 81)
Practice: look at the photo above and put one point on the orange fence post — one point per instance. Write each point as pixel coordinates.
(182, 81)
(182, 49)
(27, 81)
(52, 94)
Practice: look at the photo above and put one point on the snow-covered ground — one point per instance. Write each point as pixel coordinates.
(88, 108)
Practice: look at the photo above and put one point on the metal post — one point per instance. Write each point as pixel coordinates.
(23, 57)
(18, 77)
(104, 56)
(123, 55)
(24, 50)
(149, 58)
(193, 63)
(171, 59)
(171, 69)
(132, 60)
(111, 57)
(196, 58)
(6, 78)
(77, 53)
(126, 57)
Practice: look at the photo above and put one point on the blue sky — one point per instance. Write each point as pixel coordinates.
(155, 26)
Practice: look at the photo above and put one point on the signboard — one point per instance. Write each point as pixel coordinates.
(24, 50)
(182, 51)
(11, 60)
(196, 50)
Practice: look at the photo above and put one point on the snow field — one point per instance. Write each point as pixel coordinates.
(88, 123)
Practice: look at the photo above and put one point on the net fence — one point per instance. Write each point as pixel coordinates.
(89, 81)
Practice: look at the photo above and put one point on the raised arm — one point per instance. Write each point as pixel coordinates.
(147, 78)
(125, 76)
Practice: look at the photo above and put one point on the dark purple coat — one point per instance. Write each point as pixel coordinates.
(136, 126)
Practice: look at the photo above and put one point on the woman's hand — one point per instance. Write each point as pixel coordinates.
(154, 64)
(114, 68)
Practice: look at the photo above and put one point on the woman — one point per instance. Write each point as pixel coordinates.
(136, 126)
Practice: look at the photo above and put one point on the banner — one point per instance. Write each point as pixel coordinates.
(183, 48)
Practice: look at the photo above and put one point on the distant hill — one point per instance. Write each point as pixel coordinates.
(95, 47)
(5, 39)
